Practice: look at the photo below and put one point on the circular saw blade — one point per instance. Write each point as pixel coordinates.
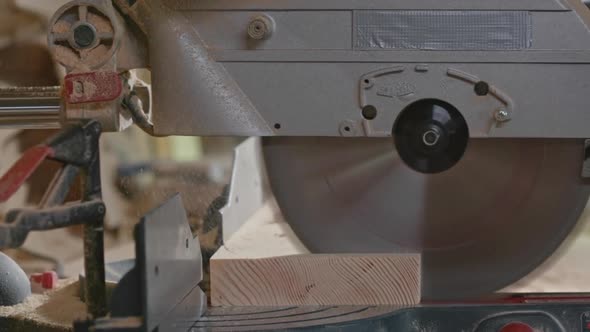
(480, 226)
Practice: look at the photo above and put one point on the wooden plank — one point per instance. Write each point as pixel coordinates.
(317, 280)
(265, 264)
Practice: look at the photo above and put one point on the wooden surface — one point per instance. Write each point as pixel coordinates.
(264, 264)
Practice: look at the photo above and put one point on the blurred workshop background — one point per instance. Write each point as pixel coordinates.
(140, 171)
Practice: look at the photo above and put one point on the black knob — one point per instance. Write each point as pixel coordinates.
(431, 136)
(84, 35)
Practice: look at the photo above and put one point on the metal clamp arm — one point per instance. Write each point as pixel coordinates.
(20, 222)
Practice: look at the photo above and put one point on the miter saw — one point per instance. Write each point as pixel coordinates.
(456, 129)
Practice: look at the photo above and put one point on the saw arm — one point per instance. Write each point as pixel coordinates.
(308, 72)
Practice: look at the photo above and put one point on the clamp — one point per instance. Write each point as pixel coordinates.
(77, 148)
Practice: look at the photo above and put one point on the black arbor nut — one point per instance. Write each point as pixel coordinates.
(431, 136)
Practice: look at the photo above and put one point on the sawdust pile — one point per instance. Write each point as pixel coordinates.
(57, 308)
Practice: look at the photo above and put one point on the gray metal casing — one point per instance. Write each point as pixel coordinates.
(307, 79)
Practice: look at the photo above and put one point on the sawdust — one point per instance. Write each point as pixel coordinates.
(63, 306)
(31, 303)
(95, 56)
(58, 308)
(102, 24)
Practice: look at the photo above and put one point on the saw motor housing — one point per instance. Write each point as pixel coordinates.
(345, 68)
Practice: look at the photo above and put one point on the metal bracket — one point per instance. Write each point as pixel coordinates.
(161, 293)
(249, 188)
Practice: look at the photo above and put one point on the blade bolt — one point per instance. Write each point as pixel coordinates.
(261, 27)
(431, 137)
(502, 115)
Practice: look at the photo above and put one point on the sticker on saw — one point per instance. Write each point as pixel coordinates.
(442, 30)
(399, 90)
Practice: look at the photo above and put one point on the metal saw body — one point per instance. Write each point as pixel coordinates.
(323, 62)
(338, 68)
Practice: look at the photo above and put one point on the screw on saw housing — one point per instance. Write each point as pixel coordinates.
(77, 148)
(261, 27)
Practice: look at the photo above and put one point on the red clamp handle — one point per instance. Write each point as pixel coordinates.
(22, 170)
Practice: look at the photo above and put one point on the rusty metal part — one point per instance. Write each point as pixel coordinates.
(92, 36)
(95, 286)
(92, 87)
(134, 105)
(30, 107)
(20, 222)
(94, 95)
(84, 35)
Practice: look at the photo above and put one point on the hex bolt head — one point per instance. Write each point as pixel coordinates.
(431, 137)
(481, 88)
(502, 115)
(261, 27)
(369, 112)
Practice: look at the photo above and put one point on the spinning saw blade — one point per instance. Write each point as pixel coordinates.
(481, 225)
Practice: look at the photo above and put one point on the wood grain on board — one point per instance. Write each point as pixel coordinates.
(316, 280)
(265, 264)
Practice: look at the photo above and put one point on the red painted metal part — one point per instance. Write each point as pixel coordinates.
(22, 169)
(517, 327)
(47, 280)
(521, 299)
(548, 298)
(92, 87)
